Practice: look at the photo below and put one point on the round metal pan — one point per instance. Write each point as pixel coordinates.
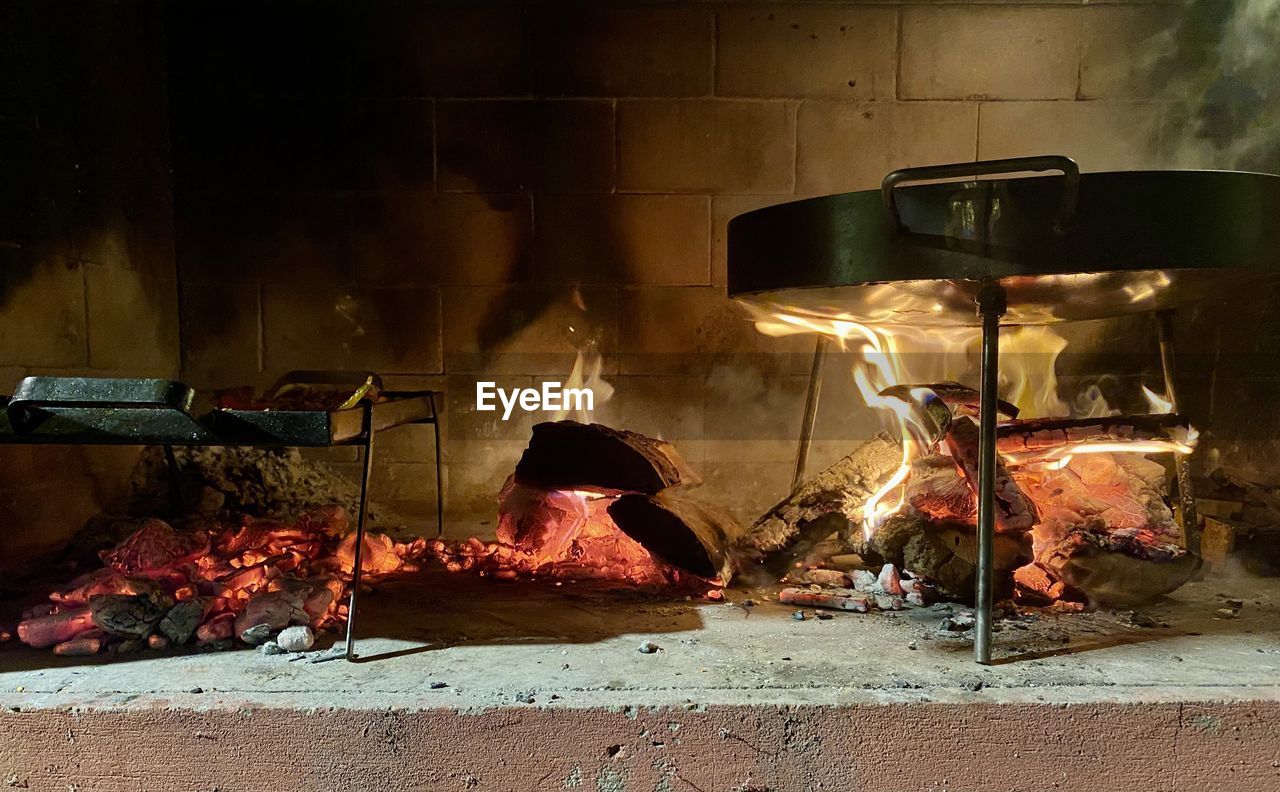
(1064, 247)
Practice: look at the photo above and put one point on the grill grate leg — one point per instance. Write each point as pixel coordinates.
(991, 306)
(360, 518)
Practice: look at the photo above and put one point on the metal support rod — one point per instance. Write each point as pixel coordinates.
(1181, 462)
(810, 411)
(435, 423)
(360, 518)
(991, 306)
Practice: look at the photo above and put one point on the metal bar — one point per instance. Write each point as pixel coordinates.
(360, 518)
(1181, 462)
(810, 411)
(435, 423)
(991, 306)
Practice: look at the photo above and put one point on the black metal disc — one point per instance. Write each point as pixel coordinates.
(1137, 241)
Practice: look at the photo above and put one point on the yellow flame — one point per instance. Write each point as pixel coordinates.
(900, 355)
(1159, 404)
(587, 373)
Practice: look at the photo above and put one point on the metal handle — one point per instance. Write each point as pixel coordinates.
(1047, 162)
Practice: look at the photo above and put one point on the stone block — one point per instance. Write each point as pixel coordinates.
(706, 146)
(605, 51)
(623, 239)
(379, 329)
(502, 146)
(843, 147)
(839, 51)
(989, 52)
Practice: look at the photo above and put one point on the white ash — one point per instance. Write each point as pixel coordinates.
(296, 639)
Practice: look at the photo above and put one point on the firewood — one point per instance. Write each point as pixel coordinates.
(1014, 510)
(129, 616)
(684, 533)
(1041, 434)
(825, 599)
(947, 556)
(961, 399)
(1112, 569)
(45, 631)
(567, 455)
(832, 500)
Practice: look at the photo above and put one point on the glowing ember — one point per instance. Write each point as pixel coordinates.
(560, 535)
(213, 580)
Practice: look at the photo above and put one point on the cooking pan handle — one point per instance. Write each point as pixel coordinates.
(1046, 162)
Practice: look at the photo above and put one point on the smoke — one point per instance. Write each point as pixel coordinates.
(1219, 65)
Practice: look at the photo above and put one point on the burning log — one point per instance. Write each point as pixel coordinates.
(947, 556)
(850, 601)
(128, 616)
(686, 534)
(567, 455)
(55, 628)
(1118, 568)
(938, 489)
(1034, 437)
(1014, 511)
(964, 400)
(831, 501)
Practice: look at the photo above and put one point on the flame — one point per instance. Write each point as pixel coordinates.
(1159, 404)
(592, 363)
(898, 355)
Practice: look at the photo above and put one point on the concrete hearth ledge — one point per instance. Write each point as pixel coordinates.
(738, 698)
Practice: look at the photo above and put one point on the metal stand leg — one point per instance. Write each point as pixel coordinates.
(1181, 462)
(991, 306)
(435, 423)
(810, 411)
(360, 518)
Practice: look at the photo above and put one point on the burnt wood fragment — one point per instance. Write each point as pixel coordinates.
(1111, 570)
(568, 455)
(1014, 510)
(684, 533)
(830, 502)
(1041, 434)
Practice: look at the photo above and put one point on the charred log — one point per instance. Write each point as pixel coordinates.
(830, 502)
(567, 455)
(960, 399)
(1042, 434)
(1118, 568)
(947, 555)
(1014, 510)
(686, 534)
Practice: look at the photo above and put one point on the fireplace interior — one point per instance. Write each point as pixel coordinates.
(539, 396)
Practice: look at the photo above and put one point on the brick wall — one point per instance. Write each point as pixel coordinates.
(446, 193)
(87, 278)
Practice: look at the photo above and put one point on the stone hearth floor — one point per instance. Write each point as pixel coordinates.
(495, 644)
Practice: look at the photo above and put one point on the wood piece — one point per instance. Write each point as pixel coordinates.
(825, 599)
(838, 492)
(684, 533)
(568, 455)
(1219, 538)
(1015, 512)
(45, 631)
(947, 556)
(129, 616)
(964, 400)
(1113, 572)
(1041, 434)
